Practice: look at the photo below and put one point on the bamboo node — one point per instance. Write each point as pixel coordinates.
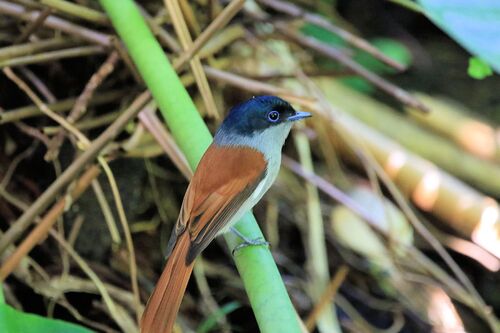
(427, 190)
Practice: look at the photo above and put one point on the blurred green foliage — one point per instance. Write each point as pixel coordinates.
(390, 47)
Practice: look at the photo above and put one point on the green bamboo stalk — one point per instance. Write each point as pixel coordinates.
(270, 302)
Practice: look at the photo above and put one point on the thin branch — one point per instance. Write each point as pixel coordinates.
(327, 297)
(149, 120)
(216, 25)
(331, 52)
(14, 51)
(54, 116)
(55, 22)
(128, 239)
(77, 10)
(61, 106)
(38, 84)
(32, 26)
(81, 51)
(195, 63)
(110, 304)
(81, 103)
(254, 85)
(297, 12)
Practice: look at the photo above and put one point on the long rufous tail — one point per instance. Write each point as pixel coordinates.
(163, 304)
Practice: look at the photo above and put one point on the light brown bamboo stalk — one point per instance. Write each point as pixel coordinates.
(50, 56)
(482, 174)
(220, 21)
(61, 106)
(463, 208)
(186, 41)
(14, 51)
(77, 10)
(455, 122)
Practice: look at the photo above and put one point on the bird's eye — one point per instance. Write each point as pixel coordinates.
(273, 116)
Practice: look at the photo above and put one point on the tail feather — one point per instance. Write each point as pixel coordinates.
(163, 304)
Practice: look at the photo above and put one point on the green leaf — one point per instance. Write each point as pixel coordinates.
(322, 34)
(210, 323)
(478, 69)
(13, 321)
(475, 24)
(389, 47)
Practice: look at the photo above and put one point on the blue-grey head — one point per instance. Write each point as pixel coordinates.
(259, 120)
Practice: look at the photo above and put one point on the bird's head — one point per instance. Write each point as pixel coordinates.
(261, 118)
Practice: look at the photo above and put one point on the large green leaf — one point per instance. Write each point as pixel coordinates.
(13, 321)
(475, 24)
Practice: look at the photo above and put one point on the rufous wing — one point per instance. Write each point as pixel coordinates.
(223, 181)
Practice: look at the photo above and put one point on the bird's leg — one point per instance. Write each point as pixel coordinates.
(247, 242)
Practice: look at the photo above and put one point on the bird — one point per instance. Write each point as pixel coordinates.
(234, 173)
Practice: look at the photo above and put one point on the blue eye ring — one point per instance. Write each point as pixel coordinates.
(273, 116)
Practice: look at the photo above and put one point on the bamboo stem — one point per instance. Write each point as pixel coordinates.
(271, 305)
(483, 174)
(457, 123)
(76, 10)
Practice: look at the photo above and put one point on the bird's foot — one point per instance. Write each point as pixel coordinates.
(247, 242)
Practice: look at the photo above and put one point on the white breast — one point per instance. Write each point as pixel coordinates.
(273, 167)
(269, 143)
